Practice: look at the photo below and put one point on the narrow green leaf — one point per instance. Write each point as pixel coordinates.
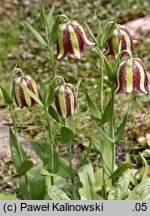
(26, 166)
(120, 170)
(141, 191)
(54, 33)
(106, 65)
(55, 193)
(100, 130)
(38, 148)
(107, 112)
(36, 34)
(67, 135)
(95, 112)
(119, 60)
(16, 149)
(91, 33)
(51, 94)
(108, 69)
(109, 28)
(6, 96)
(100, 31)
(49, 16)
(121, 128)
(146, 167)
(43, 17)
(32, 95)
(42, 89)
(54, 114)
(86, 175)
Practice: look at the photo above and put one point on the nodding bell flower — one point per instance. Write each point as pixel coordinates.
(22, 99)
(65, 99)
(72, 40)
(131, 76)
(120, 40)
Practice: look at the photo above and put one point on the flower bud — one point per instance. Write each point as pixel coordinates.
(72, 40)
(132, 77)
(65, 99)
(21, 97)
(120, 40)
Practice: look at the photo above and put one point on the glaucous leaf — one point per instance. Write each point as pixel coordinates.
(115, 192)
(55, 193)
(86, 176)
(141, 191)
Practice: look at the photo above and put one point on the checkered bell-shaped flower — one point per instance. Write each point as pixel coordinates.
(65, 99)
(72, 40)
(120, 40)
(131, 76)
(22, 99)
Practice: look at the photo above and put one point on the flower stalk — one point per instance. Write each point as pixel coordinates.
(70, 155)
(50, 142)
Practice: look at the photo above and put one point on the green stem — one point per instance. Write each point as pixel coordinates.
(70, 157)
(19, 148)
(52, 60)
(50, 134)
(101, 80)
(112, 126)
(58, 77)
(101, 83)
(64, 17)
(47, 36)
(17, 70)
(70, 161)
(51, 142)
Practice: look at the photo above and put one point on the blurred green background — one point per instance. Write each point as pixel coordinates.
(18, 47)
